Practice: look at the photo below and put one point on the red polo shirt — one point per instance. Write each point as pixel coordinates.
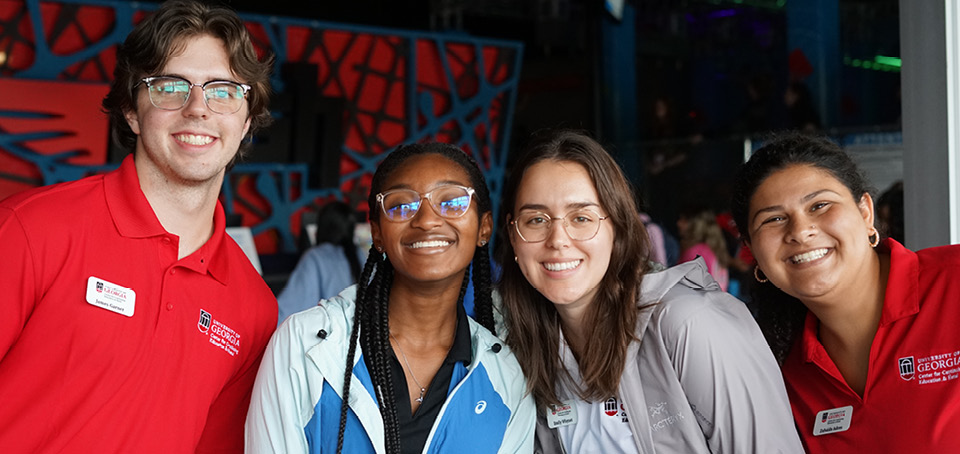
(911, 402)
(108, 342)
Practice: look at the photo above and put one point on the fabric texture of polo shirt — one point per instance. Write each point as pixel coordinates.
(911, 402)
(108, 342)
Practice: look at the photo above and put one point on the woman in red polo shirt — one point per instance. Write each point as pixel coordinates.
(859, 324)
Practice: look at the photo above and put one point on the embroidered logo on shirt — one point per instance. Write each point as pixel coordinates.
(906, 368)
(657, 409)
(667, 419)
(220, 334)
(481, 406)
(931, 369)
(610, 407)
(204, 323)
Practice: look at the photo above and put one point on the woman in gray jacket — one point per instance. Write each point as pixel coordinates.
(619, 358)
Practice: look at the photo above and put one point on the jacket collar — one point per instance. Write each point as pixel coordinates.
(693, 273)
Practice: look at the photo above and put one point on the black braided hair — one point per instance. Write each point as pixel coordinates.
(371, 318)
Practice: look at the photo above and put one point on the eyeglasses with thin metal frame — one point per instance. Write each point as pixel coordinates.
(173, 92)
(580, 225)
(450, 201)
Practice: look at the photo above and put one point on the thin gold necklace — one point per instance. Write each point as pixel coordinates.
(404, 355)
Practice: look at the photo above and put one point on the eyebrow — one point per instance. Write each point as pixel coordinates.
(805, 199)
(214, 79)
(437, 185)
(543, 208)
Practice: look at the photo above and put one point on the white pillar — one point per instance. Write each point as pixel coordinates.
(930, 80)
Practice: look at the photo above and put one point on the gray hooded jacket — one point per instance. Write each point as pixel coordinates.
(702, 378)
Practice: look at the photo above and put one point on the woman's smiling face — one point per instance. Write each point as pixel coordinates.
(565, 271)
(428, 247)
(809, 235)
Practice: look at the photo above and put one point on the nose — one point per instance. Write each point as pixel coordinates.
(801, 229)
(196, 105)
(557, 237)
(426, 217)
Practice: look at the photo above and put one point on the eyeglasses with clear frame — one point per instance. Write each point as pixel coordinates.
(173, 92)
(580, 225)
(450, 201)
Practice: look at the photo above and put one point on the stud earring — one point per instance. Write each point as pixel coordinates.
(756, 275)
(483, 243)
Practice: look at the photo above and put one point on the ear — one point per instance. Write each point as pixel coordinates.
(512, 233)
(133, 120)
(375, 236)
(246, 127)
(486, 228)
(866, 209)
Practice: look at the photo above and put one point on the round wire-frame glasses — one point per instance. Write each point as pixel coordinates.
(173, 92)
(580, 225)
(449, 201)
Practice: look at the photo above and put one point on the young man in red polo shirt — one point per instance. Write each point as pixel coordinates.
(131, 321)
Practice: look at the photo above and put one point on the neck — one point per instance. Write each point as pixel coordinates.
(848, 325)
(183, 209)
(424, 314)
(572, 322)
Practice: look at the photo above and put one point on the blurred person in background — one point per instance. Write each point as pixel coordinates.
(327, 268)
(701, 236)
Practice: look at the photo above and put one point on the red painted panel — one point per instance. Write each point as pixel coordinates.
(73, 109)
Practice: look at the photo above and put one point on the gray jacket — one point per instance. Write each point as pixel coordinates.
(702, 379)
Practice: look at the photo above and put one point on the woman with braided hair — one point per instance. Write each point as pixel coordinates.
(393, 364)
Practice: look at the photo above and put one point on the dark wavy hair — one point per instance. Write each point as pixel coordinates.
(781, 316)
(533, 327)
(370, 321)
(160, 36)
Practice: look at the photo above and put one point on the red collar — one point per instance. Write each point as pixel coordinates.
(134, 218)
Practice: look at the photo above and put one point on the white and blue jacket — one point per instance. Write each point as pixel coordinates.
(295, 406)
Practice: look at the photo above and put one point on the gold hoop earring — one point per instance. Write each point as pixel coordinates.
(874, 237)
(756, 275)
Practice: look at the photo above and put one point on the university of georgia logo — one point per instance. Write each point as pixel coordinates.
(610, 407)
(906, 368)
(204, 323)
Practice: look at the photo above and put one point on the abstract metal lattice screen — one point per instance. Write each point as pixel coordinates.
(391, 86)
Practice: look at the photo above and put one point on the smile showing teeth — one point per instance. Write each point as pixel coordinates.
(194, 139)
(423, 244)
(808, 256)
(562, 266)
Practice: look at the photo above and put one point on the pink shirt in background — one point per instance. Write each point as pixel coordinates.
(719, 273)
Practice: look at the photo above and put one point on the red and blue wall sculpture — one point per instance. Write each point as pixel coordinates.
(389, 87)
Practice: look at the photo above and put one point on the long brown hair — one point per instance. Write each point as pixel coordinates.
(532, 323)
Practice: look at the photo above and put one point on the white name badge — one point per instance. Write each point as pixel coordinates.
(833, 421)
(110, 296)
(563, 415)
